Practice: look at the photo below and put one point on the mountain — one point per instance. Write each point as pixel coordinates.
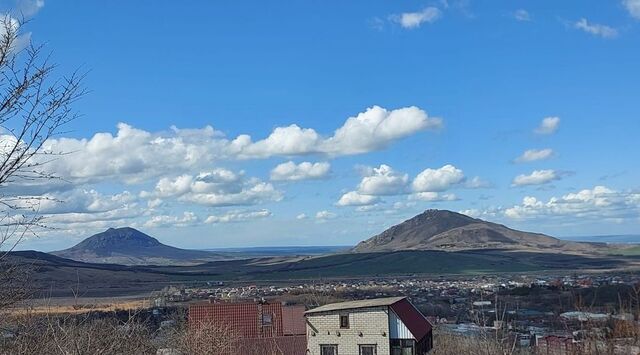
(129, 246)
(447, 230)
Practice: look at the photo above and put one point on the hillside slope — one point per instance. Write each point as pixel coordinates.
(129, 246)
(447, 230)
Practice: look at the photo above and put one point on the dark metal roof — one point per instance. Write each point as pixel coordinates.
(418, 325)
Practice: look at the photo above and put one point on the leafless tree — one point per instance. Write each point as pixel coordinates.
(77, 335)
(34, 107)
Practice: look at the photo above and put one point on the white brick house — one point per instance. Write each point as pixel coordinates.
(382, 326)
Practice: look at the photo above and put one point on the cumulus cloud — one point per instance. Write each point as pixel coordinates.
(291, 171)
(549, 125)
(383, 180)
(81, 209)
(537, 177)
(599, 202)
(376, 128)
(187, 219)
(353, 198)
(595, 29)
(86, 220)
(84, 201)
(534, 155)
(522, 15)
(238, 216)
(411, 20)
(324, 215)
(633, 7)
(218, 187)
(302, 216)
(435, 180)
(79, 206)
(133, 155)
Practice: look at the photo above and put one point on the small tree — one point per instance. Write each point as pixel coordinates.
(34, 106)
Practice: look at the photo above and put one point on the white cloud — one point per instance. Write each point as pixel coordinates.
(54, 206)
(599, 202)
(376, 128)
(353, 198)
(238, 216)
(84, 220)
(290, 140)
(595, 29)
(383, 181)
(187, 219)
(324, 215)
(20, 40)
(82, 209)
(434, 180)
(534, 155)
(432, 197)
(291, 171)
(302, 216)
(133, 155)
(412, 20)
(633, 6)
(29, 8)
(369, 208)
(477, 183)
(522, 15)
(549, 125)
(218, 187)
(155, 203)
(537, 177)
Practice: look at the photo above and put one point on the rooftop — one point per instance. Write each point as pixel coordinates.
(376, 302)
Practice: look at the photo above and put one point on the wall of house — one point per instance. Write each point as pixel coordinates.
(373, 323)
(397, 329)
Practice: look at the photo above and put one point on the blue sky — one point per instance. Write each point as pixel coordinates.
(519, 112)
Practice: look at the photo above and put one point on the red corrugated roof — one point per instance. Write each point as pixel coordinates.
(412, 318)
(293, 322)
(245, 320)
(287, 345)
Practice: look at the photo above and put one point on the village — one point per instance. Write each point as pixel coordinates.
(550, 311)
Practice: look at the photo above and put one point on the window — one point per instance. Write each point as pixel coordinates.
(402, 347)
(267, 319)
(344, 321)
(328, 350)
(368, 350)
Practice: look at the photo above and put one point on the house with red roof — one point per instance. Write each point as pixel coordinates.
(254, 328)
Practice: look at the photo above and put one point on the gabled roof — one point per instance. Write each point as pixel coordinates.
(376, 302)
(418, 325)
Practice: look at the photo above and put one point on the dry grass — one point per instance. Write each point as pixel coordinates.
(77, 308)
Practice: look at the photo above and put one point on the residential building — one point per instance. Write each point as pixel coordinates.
(255, 328)
(381, 326)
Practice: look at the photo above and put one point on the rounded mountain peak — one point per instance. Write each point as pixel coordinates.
(117, 239)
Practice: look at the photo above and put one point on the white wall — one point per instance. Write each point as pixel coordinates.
(371, 322)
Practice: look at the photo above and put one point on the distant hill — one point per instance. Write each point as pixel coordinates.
(447, 230)
(129, 246)
(58, 277)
